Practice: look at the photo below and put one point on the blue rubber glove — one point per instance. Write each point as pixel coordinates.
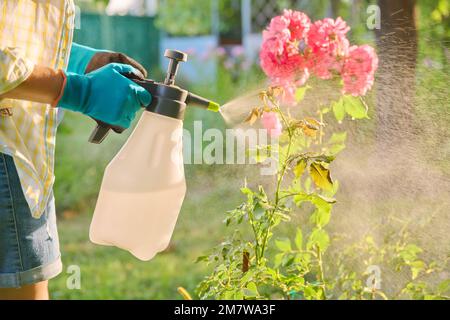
(80, 56)
(85, 60)
(105, 94)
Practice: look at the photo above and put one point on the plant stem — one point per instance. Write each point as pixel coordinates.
(321, 272)
(252, 222)
(321, 128)
(279, 181)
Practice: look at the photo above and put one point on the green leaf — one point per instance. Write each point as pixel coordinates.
(321, 176)
(238, 295)
(416, 267)
(283, 244)
(335, 188)
(409, 253)
(322, 202)
(201, 259)
(246, 191)
(272, 273)
(339, 109)
(258, 211)
(338, 137)
(300, 168)
(444, 287)
(228, 295)
(326, 199)
(251, 290)
(444, 7)
(301, 197)
(299, 239)
(354, 107)
(278, 259)
(310, 293)
(335, 149)
(300, 93)
(303, 258)
(325, 110)
(321, 217)
(319, 238)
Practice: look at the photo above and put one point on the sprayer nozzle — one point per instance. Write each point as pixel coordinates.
(213, 106)
(196, 100)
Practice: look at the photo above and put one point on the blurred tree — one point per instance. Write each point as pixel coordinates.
(92, 5)
(397, 50)
(335, 7)
(185, 17)
(434, 26)
(188, 18)
(316, 9)
(230, 22)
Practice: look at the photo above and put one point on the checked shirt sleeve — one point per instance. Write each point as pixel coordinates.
(14, 68)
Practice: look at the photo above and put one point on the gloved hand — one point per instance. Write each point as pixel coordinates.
(85, 60)
(105, 95)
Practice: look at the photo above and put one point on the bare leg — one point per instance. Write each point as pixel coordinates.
(37, 291)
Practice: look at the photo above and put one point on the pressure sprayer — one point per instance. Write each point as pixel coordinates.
(144, 186)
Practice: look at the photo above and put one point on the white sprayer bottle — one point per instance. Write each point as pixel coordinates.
(144, 186)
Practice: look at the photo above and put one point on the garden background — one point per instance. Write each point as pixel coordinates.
(143, 29)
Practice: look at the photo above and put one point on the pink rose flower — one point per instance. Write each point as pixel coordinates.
(325, 64)
(359, 70)
(293, 48)
(328, 45)
(281, 54)
(272, 124)
(299, 24)
(282, 63)
(329, 35)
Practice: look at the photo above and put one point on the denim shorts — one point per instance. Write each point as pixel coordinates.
(29, 247)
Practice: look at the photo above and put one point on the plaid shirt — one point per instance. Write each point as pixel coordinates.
(32, 32)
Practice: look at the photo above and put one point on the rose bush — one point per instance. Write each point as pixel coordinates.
(258, 261)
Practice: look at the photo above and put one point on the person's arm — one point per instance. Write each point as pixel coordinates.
(104, 94)
(42, 85)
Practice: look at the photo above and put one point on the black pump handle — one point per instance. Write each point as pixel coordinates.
(101, 131)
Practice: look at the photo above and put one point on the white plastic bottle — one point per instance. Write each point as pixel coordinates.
(142, 189)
